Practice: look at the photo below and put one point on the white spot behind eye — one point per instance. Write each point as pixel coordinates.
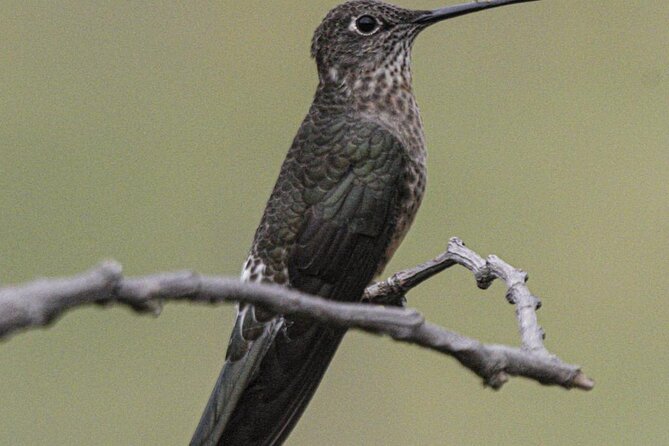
(334, 74)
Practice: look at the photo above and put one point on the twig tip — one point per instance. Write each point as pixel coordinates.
(110, 268)
(497, 380)
(581, 381)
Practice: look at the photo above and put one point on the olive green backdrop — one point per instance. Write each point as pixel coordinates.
(152, 132)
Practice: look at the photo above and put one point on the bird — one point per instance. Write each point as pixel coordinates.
(347, 193)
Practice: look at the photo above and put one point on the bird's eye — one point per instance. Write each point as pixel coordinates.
(366, 24)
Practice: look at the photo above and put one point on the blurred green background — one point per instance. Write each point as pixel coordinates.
(152, 132)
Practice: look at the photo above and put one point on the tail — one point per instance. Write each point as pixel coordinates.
(242, 361)
(259, 397)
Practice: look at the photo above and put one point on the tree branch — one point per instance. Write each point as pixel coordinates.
(39, 303)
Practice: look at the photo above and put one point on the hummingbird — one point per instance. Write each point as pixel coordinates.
(347, 193)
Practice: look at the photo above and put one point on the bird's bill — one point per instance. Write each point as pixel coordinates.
(449, 12)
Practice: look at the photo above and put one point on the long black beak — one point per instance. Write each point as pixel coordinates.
(465, 8)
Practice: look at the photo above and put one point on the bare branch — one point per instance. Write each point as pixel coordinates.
(38, 303)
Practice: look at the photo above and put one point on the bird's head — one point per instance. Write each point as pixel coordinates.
(362, 38)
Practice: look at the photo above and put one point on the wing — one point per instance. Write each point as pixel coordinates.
(348, 226)
(350, 218)
(349, 215)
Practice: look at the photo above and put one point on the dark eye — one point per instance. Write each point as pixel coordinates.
(366, 24)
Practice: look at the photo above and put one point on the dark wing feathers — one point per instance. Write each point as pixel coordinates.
(351, 223)
(350, 214)
(336, 254)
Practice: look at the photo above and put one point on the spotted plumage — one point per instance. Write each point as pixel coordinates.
(346, 195)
